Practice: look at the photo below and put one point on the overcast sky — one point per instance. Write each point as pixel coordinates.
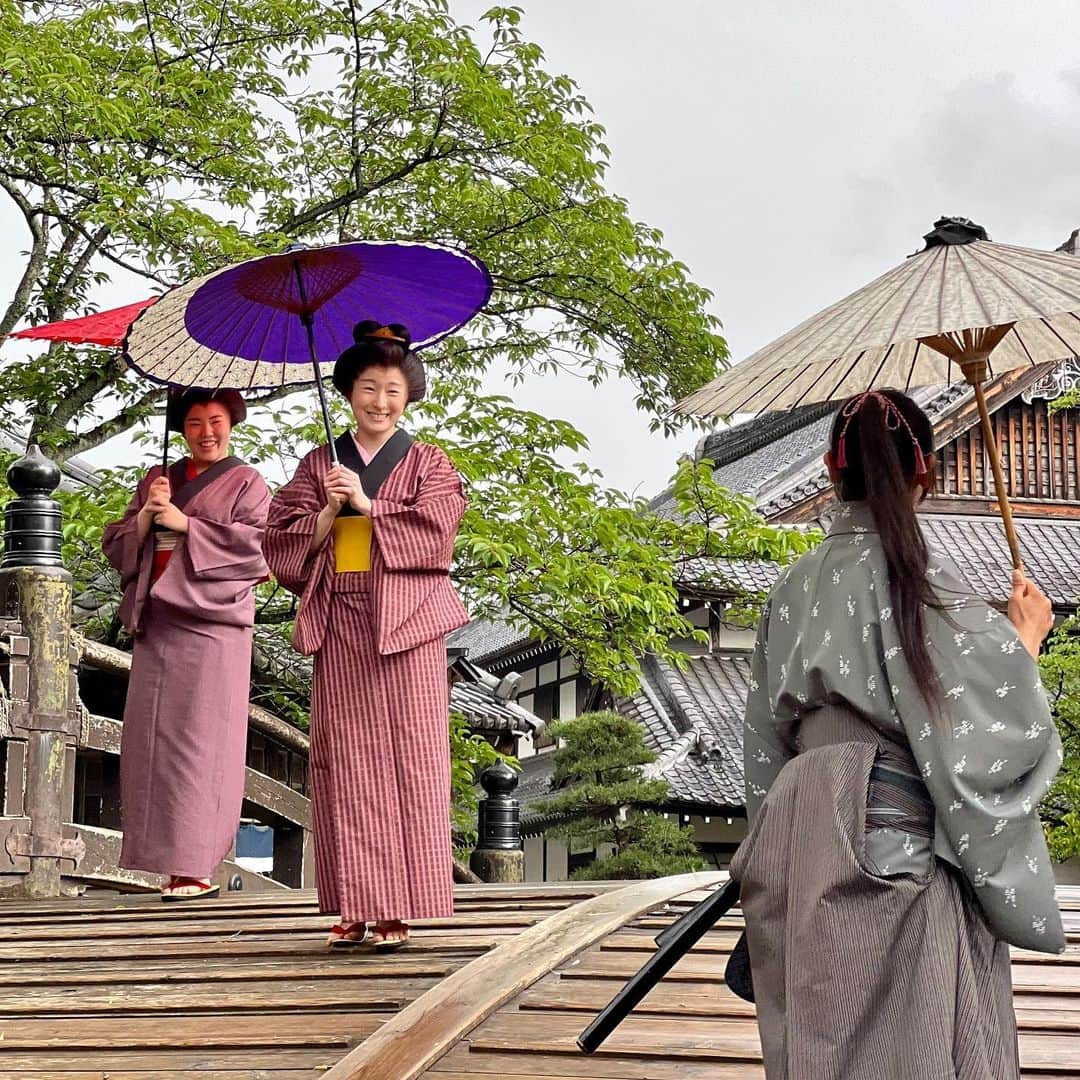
(791, 152)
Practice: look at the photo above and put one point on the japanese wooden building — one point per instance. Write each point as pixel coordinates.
(693, 718)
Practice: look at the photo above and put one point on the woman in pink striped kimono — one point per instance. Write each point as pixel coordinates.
(189, 554)
(367, 546)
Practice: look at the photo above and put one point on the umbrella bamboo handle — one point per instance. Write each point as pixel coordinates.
(990, 441)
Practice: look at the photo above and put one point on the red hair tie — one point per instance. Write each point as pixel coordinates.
(894, 420)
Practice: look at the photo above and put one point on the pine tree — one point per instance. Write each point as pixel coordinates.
(607, 801)
(1060, 666)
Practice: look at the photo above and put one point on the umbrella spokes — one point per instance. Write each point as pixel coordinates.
(969, 350)
(275, 280)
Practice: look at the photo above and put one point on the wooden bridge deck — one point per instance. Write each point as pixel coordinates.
(243, 988)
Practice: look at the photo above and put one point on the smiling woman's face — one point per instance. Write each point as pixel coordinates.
(378, 399)
(207, 429)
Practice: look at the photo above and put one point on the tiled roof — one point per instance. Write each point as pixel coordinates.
(693, 721)
(775, 458)
(731, 444)
(486, 712)
(483, 639)
(486, 700)
(534, 780)
(1050, 549)
(752, 575)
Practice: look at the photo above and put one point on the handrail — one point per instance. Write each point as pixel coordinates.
(414, 1039)
(118, 662)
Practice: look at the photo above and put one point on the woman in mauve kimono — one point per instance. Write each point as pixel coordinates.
(897, 744)
(189, 554)
(367, 546)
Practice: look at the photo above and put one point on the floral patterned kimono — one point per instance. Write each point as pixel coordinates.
(892, 853)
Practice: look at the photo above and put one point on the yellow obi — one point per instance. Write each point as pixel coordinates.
(352, 543)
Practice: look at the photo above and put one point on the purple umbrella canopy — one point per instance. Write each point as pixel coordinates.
(246, 327)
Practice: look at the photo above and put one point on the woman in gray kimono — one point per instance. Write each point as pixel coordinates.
(897, 744)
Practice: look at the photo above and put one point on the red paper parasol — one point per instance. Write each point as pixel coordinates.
(103, 328)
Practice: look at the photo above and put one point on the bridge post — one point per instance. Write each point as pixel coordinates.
(35, 620)
(498, 856)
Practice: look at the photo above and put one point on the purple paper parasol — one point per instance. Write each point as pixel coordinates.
(284, 319)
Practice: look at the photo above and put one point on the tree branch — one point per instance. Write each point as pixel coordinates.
(39, 233)
(113, 258)
(125, 418)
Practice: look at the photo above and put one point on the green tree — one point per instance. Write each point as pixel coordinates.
(1060, 665)
(173, 138)
(607, 802)
(170, 138)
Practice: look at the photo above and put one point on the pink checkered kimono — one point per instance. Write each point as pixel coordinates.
(380, 754)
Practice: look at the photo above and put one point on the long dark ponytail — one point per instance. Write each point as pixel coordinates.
(880, 443)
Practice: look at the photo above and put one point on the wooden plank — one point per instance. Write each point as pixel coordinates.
(466, 1060)
(568, 891)
(705, 1040)
(1053, 471)
(336, 965)
(1076, 452)
(124, 930)
(320, 1030)
(211, 910)
(698, 967)
(665, 999)
(1015, 452)
(976, 462)
(58, 958)
(1040, 442)
(1047, 1012)
(153, 1063)
(712, 1040)
(421, 1033)
(184, 1074)
(724, 941)
(142, 998)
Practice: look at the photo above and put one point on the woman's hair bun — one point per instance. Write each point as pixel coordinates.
(383, 345)
(368, 330)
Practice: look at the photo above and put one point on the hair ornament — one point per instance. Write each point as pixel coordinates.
(894, 420)
(386, 334)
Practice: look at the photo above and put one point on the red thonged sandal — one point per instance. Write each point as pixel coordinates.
(205, 890)
(386, 944)
(348, 935)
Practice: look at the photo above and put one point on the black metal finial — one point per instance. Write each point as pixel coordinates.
(499, 817)
(499, 779)
(33, 474)
(32, 534)
(948, 231)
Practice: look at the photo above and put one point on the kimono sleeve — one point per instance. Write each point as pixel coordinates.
(230, 550)
(420, 535)
(987, 759)
(291, 523)
(769, 725)
(120, 539)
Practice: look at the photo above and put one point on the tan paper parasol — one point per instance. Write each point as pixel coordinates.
(962, 308)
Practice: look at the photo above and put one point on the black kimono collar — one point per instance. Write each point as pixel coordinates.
(373, 474)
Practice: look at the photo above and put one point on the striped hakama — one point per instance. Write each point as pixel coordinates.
(850, 958)
(380, 755)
